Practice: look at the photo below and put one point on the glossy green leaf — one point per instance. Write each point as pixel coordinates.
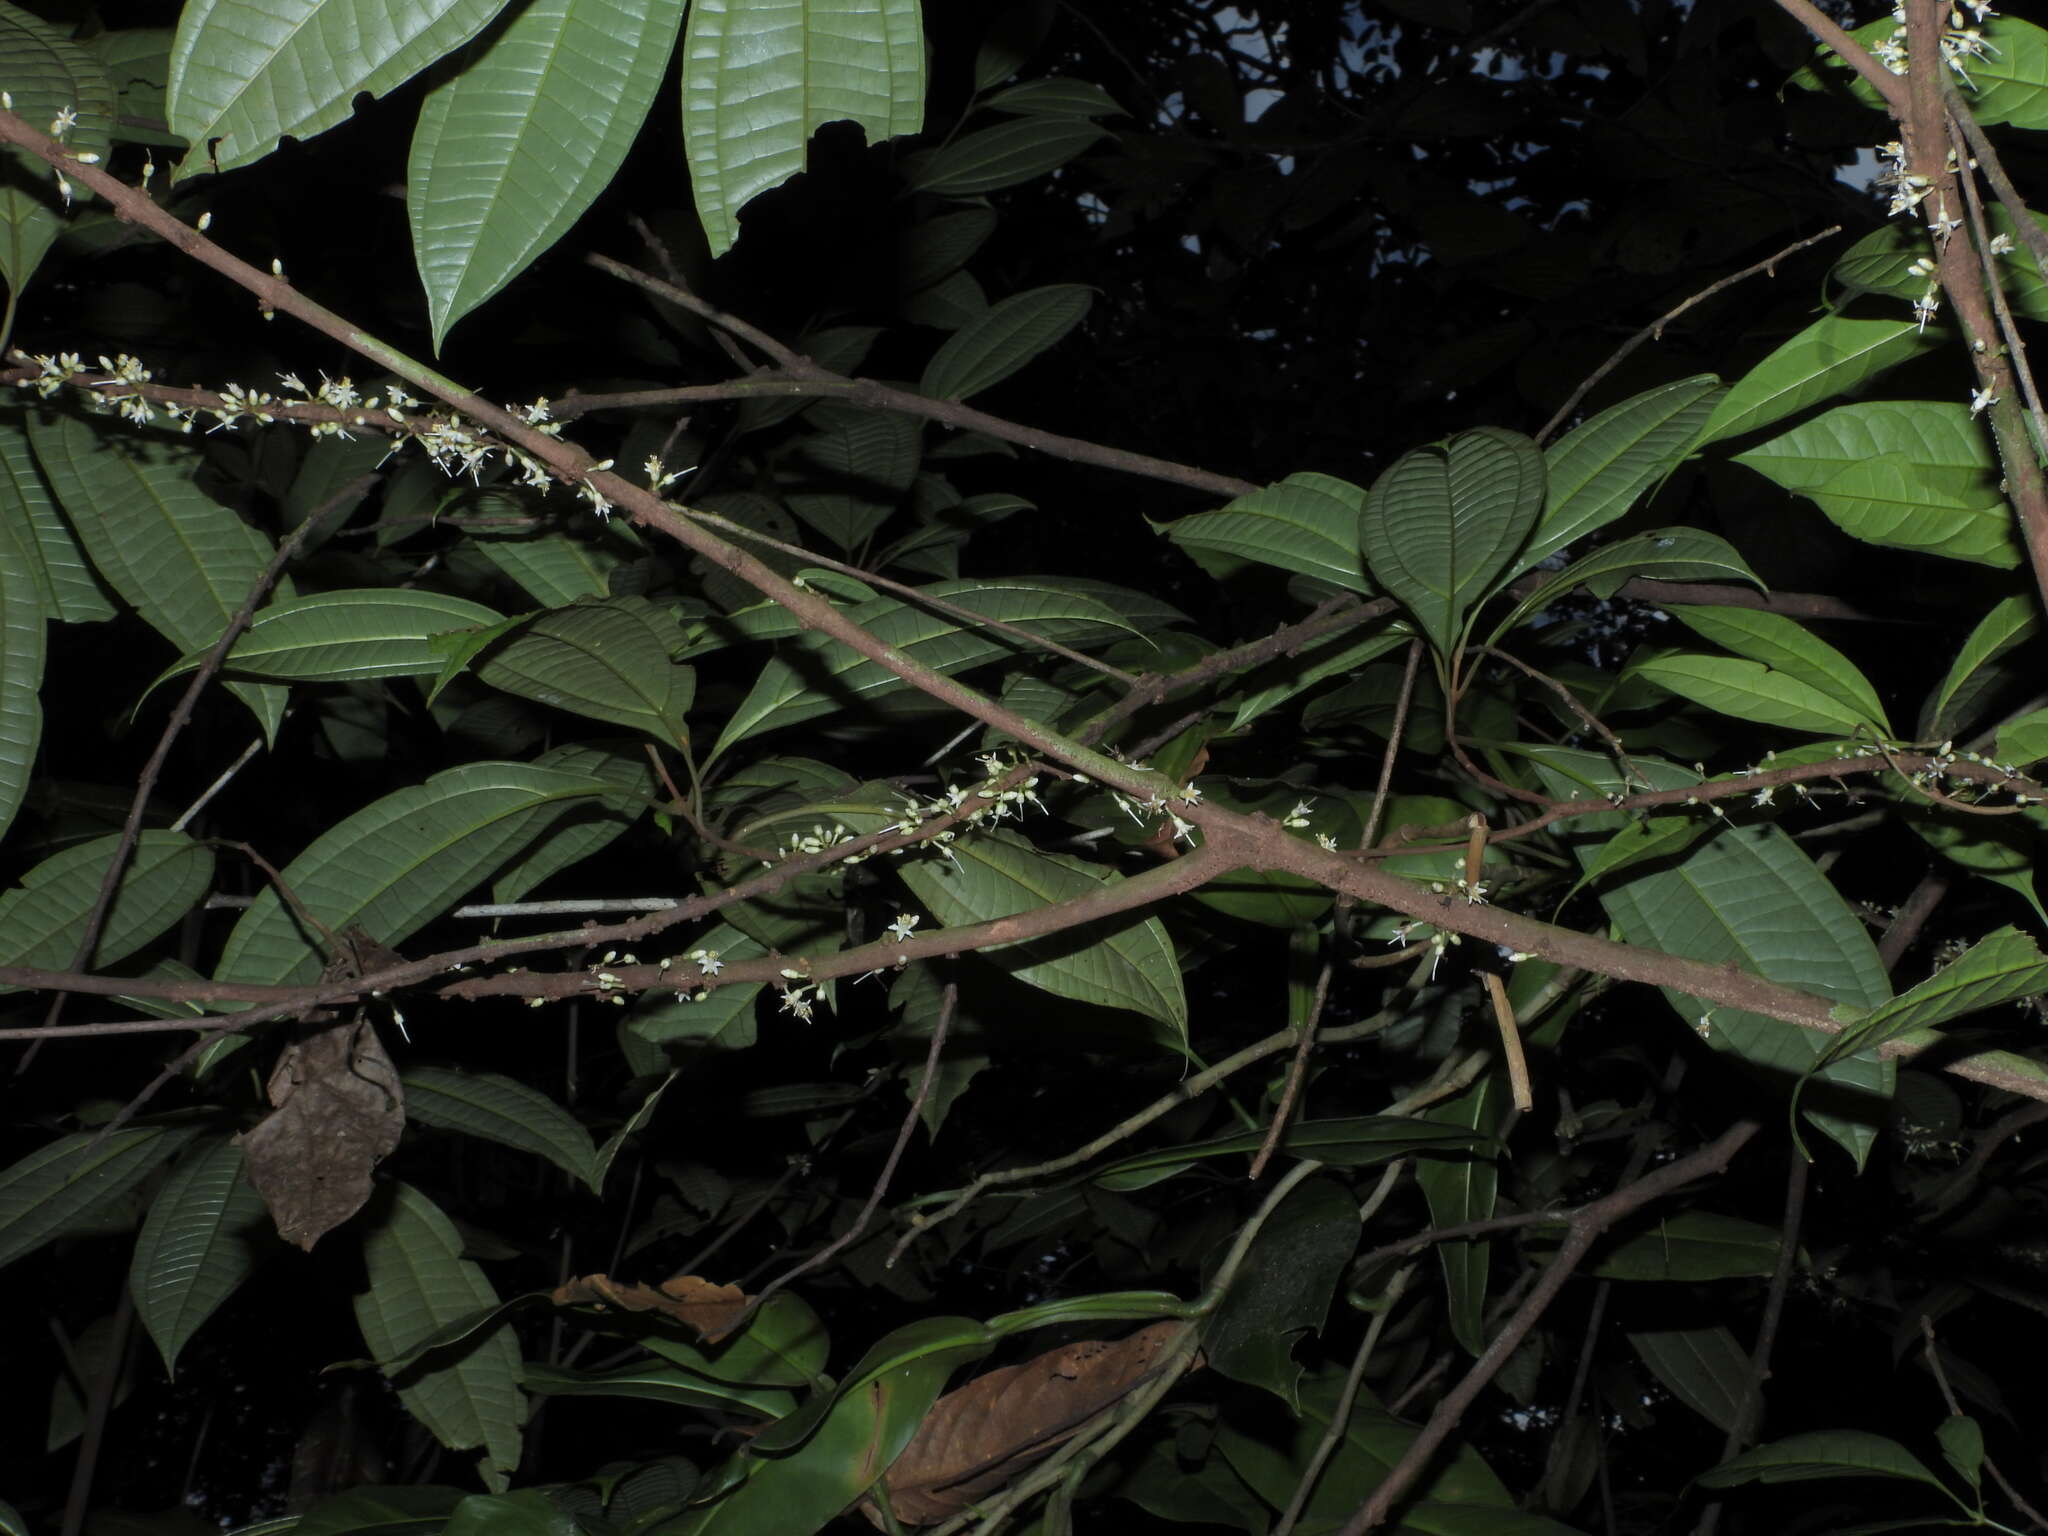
(1692, 1245)
(73, 1177)
(1994, 850)
(2002, 967)
(722, 1020)
(42, 919)
(45, 72)
(501, 1109)
(993, 158)
(184, 562)
(202, 1238)
(1830, 357)
(400, 862)
(1666, 554)
(419, 1281)
(1821, 1454)
(783, 1345)
(1962, 1446)
(349, 635)
(2021, 741)
(1338, 656)
(1358, 1142)
(1788, 648)
(652, 1381)
(658, 1487)
(1748, 897)
(71, 590)
(1596, 471)
(983, 353)
(1704, 1368)
(854, 472)
(760, 77)
(1124, 962)
(1445, 521)
(1284, 1289)
(831, 677)
(1979, 670)
(1917, 475)
(1307, 524)
(1462, 1189)
(246, 73)
(606, 659)
(509, 152)
(22, 614)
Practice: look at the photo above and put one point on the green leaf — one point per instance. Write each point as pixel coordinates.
(419, 1282)
(45, 72)
(2002, 967)
(783, 1345)
(400, 1511)
(1665, 554)
(1962, 1446)
(1054, 97)
(988, 350)
(511, 151)
(1830, 357)
(1307, 524)
(11, 1523)
(22, 611)
(1336, 656)
(1790, 649)
(1704, 1368)
(635, 1124)
(349, 635)
(504, 1110)
(1358, 1142)
(1446, 520)
(1751, 898)
(1121, 962)
(1284, 1289)
(724, 1020)
(1693, 1245)
(651, 1381)
(930, 252)
(71, 590)
(1917, 475)
(1882, 262)
(832, 678)
(1747, 690)
(1462, 1189)
(759, 78)
(606, 659)
(2008, 85)
(854, 472)
(400, 862)
(199, 1242)
(998, 157)
(76, 1177)
(1597, 470)
(42, 919)
(1821, 1454)
(585, 828)
(1975, 675)
(245, 74)
(529, 1512)
(185, 563)
(2021, 741)
(555, 569)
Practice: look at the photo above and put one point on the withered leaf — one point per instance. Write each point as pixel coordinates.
(980, 1436)
(711, 1310)
(338, 1110)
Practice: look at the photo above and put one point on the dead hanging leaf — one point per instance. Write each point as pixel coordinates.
(979, 1437)
(711, 1310)
(338, 1110)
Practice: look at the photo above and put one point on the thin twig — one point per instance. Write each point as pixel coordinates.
(1912, 917)
(98, 1405)
(1655, 328)
(1340, 1416)
(1588, 1223)
(839, 1244)
(2033, 1516)
(1852, 53)
(1298, 1069)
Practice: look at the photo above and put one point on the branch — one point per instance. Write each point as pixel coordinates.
(1588, 1223)
(801, 376)
(1852, 53)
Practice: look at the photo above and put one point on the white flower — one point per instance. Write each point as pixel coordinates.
(901, 928)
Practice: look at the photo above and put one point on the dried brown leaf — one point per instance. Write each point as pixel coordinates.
(711, 1310)
(980, 1436)
(338, 1111)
